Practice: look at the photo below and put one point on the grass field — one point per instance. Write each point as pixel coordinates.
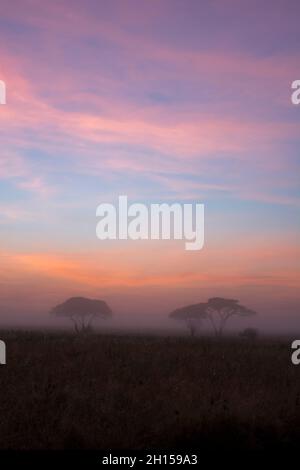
(59, 391)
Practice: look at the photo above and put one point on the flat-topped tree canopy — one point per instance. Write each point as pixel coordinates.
(219, 310)
(191, 315)
(82, 311)
(194, 311)
(228, 307)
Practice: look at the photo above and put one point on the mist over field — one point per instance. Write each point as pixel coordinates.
(268, 321)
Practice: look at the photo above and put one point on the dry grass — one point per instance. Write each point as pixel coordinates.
(107, 392)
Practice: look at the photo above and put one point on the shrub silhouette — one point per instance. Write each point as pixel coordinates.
(249, 334)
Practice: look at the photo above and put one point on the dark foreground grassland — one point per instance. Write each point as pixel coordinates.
(60, 391)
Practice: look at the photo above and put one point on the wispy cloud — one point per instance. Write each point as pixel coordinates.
(140, 98)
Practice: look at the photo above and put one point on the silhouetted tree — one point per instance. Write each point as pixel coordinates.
(82, 312)
(191, 316)
(219, 311)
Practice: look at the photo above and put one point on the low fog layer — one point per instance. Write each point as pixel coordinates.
(269, 319)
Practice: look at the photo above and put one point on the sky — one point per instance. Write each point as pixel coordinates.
(163, 101)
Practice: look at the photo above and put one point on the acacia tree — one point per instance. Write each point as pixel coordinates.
(219, 311)
(192, 315)
(82, 312)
